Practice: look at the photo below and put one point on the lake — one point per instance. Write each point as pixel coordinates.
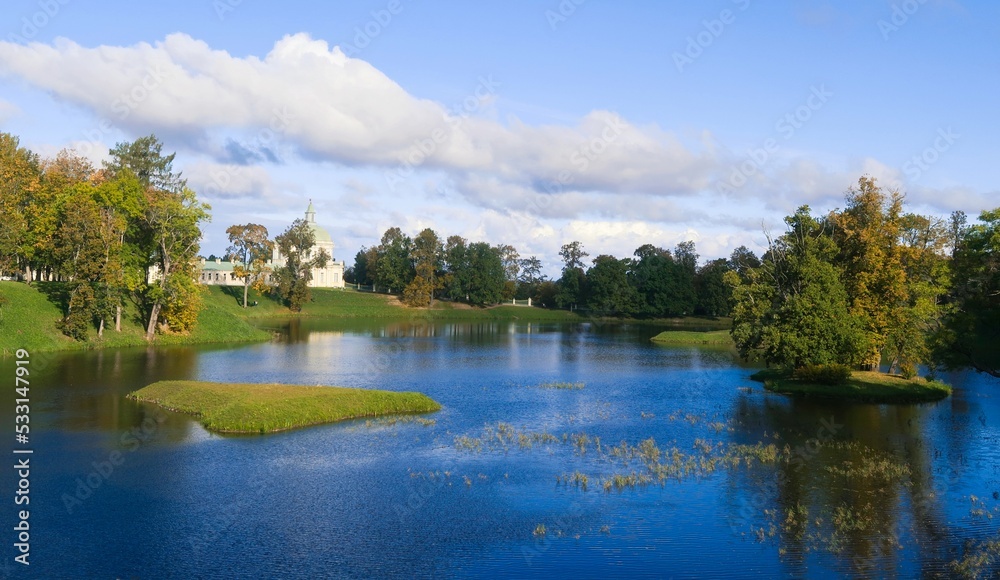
(120, 489)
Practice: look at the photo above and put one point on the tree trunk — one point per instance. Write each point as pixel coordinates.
(118, 318)
(246, 288)
(100, 328)
(153, 316)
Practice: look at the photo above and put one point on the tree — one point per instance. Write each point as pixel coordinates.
(651, 274)
(249, 249)
(867, 233)
(457, 273)
(713, 294)
(608, 288)
(426, 257)
(970, 335)
(573, 255)
(296, 245)
(394, 269)
(793, 309)
(144, 158)
(20, 177)
(529, 278)
(485, 274)
(511, 266)
(173, 221)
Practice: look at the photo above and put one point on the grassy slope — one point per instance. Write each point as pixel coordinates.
(352, 304)
(265, 408)
(683, 337)
(869, 387)
(28, 320)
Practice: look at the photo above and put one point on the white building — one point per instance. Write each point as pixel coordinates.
(220, 272)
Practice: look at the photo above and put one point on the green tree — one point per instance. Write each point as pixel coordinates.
(792, 310)
(572, 255)
(970, 335)
(651, 273)
(529, 277)
(457, 273)
(394, 269)
(426, 257)
(144, 158)
(485, 274)
(608, 288)
(573, 283)
(712, 292)
(296, 245)
(20, 181)
(249, 249)
(173, 221)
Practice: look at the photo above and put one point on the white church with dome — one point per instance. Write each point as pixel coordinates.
(220, 272)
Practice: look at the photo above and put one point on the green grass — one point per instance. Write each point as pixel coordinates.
(348, 303)
(863, 386)
(266, 408)
(685, 337)
(28, 320)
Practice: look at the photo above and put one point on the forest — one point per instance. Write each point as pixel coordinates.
(865, 285)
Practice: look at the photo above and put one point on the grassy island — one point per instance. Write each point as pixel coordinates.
(266, 408)
(862, 386)
(686, 337)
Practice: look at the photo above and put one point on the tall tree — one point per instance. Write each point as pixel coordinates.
(572, 255)
(608, 288)
(249, 249)
(144, 157)
(971, 334)
(867, 233)
(394, 269)
(426, 257)
(296, 246)
(714, 296)
(457, 272)
(793, 310)
(20, 180)
(486, 274)
(173, 220)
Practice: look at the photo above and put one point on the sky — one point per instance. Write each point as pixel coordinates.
(530, 123)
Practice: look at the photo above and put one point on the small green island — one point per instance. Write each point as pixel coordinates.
(688, 337)
(267, 408)
(857, 386)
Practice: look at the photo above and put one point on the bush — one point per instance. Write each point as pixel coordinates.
(823, 374)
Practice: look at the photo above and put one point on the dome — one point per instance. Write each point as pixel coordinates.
(321, 234)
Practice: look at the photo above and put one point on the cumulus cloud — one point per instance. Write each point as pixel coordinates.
(336, 108)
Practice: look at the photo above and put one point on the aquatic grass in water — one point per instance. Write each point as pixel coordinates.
(562, 385)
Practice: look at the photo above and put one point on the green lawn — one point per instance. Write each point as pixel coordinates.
(863, 386)
(686, 337)
(266, 408)
(29, 315)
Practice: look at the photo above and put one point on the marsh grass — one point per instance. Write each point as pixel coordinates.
(266, 408)
(562, 385)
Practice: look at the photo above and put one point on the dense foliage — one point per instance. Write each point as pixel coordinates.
(126, 232)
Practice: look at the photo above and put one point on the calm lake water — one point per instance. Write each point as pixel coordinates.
(465, 495)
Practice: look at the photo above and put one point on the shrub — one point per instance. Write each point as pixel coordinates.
(833, 374)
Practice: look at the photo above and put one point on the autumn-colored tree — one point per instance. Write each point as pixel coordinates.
(867, 233)
(20, 179)
(173, 221)
(249, 249)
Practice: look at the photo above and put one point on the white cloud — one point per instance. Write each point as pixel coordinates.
(342, 109)
(7, 111)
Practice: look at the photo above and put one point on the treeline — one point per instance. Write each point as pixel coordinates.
(102, 231)
(657, 282)
(871, 284)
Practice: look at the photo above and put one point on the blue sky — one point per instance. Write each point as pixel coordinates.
(543, 122)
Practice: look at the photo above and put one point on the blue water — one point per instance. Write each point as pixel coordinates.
(382, 499)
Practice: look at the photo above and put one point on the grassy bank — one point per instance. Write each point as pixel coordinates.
(350, 303)
(266, 408)
(685, 337)
(863, 386)
(28, 320)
